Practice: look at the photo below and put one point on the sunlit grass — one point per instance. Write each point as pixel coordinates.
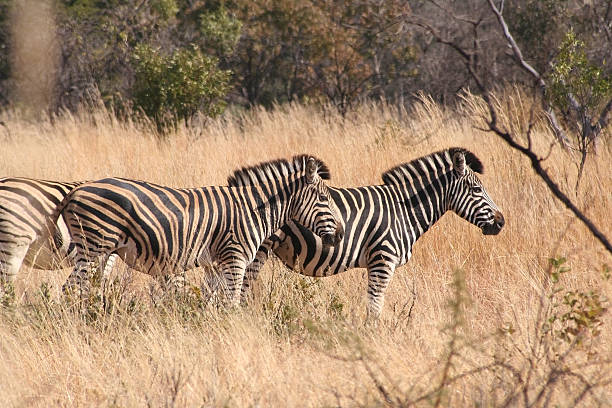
(302, 342)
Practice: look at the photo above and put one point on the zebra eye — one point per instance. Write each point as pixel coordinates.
(323, 197)
(477, 189)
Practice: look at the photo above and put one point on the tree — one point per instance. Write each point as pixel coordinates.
(582, 92)
(176, 87)
(367, 51)
(469, 56)
(340, 51)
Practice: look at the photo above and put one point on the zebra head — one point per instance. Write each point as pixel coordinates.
(468, 197)
(314, 207)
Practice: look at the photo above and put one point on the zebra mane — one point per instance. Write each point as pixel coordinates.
(441, 160)
(275, 170)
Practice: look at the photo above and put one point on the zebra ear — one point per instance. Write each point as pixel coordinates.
(459, 162)
(311, 170)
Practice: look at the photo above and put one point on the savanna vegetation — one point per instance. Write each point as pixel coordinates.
(471, 320)
(181, 92)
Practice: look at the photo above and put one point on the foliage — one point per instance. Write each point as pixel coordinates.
(574, 315)
(582, 91)
(175, 87)
(538, 25)
(366, 51)
(336, 51)
(574, 76)
(558, 267)
(7, 294)
(166, 9)
(220, 31)
(341, 52)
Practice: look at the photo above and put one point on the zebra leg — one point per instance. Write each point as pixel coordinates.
(210, 285)
(233, 275)
(379, 276)
(252, 271)
(11, 259)
(78, 282)
(108, 268)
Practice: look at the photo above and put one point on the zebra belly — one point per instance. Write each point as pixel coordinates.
(304, 253)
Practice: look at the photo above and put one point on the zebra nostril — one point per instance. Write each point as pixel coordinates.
(499, 219)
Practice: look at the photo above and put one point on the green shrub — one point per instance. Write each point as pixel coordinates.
(220, 31)
(176, 87)
(574, 75)
(166, 9)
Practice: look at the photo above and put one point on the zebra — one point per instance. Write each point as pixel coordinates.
(26, 205)
(158, 230)
(383, 222)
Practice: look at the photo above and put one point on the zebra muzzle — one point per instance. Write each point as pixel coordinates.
(335, 238)
(496, 226)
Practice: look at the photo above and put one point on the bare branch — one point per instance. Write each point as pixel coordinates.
(536, 161)
(559, 133)
(536, 164)
(453, 15)
(603, 117)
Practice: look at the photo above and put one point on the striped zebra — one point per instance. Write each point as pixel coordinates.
(383, 222)
(26, 205)
(160, 230)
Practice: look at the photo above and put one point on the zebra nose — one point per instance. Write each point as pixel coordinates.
(499, 219)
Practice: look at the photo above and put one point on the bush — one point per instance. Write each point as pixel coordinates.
(220, 31)
(176, 87)
(574, 76)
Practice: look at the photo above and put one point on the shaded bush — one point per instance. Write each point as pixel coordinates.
(175, 87)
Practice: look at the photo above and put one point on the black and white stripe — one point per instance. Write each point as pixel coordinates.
(383, 222)
(159, 230)
(26, 205)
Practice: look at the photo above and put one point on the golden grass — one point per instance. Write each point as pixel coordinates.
(302, 341)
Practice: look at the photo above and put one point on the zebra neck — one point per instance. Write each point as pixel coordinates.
(423, 208)
(271, 209)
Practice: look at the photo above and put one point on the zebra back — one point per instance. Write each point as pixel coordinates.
(383, 222)
(165, 228)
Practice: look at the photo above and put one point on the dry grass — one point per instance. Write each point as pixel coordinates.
(302, 342)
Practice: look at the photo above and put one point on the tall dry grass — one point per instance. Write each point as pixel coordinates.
(446, 338)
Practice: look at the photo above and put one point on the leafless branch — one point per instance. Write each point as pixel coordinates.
(536, 160)
(603, 117)
(559, 133)
(453, 15)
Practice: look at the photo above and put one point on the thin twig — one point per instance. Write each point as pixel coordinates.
(534, 73)
(536, 161)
